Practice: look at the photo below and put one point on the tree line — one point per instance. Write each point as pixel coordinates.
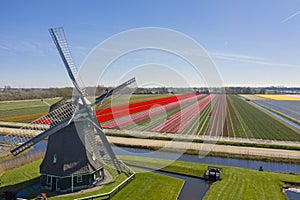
(8, 93)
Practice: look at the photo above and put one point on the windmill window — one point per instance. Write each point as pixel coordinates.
(54, 159)
(79, 179)
(48, 179)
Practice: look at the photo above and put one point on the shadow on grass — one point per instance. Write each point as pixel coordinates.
(19, 186)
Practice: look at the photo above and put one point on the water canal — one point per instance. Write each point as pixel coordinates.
(194, 185)
(250, 164)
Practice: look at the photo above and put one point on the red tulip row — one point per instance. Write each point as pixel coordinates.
(125, 110)
(132, 119)
(42, 121)
(180, 120)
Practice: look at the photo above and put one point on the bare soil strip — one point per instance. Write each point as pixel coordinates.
(143, 134)
(205, 148)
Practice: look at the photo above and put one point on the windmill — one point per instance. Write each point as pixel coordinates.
(77, 148)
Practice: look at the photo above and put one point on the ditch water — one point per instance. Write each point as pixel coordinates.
(250, 164)
(193, 188)
(292, 195)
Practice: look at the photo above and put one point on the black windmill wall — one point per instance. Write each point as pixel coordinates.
(66, 154)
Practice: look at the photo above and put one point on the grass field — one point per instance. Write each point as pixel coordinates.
(144, 186)
(150, 186)
(236, 183)
(24, 110)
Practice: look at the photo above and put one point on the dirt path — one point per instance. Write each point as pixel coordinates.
(204, 148)
(140, 134)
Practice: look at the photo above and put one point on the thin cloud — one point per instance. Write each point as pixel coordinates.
(4, 47)
(235, 56)
(249, 59)
(291, 17)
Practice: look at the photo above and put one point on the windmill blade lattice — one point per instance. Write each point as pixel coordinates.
(118, 96)
(59, 38)
(89, 136)
(32, 130)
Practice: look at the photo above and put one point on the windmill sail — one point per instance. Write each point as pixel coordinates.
(76, 145)
(60, 41)
(58, 118)
(78, 112)
(31, 134)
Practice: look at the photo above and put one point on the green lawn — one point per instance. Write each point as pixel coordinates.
(20, 178)
(144, 186)
(150, 186)
(236, 183)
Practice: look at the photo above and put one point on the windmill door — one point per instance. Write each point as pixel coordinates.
(54, 183)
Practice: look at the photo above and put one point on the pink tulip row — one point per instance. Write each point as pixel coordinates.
(182, 119)
(132, 119)
(218, 123)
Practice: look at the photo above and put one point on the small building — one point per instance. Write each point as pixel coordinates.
(213, 173)
(68, 166)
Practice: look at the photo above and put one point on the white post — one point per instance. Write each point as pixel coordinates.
(72, 184)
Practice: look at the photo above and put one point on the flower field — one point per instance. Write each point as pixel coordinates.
(142, 111)
(181, 120)
(288, 108)
(280, 97)
(213, 115)
(216, 115)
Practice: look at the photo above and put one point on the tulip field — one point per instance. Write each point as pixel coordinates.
(212, 115)
(216, 115)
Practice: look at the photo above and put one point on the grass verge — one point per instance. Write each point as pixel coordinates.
(236, 183)
(150, 186)
(242, 144)
(217, 154)
(144, 186)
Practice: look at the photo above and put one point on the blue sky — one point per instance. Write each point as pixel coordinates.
(252, 43)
